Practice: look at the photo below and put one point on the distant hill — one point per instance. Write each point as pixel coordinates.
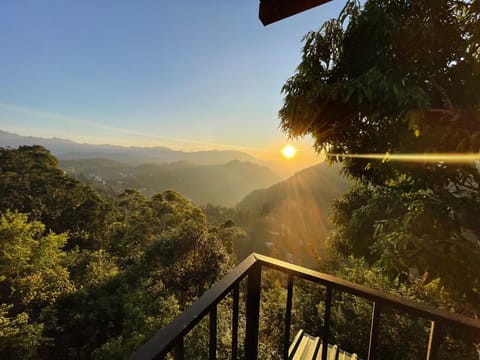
(68, 150)
(223, 184)
(290, 218)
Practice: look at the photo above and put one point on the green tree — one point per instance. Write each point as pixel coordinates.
(370, 78)
(19, 339)
(32, 265)
(191, 256)
(396, 77)
(132, 231)
(33, 276)
(31, 182)
(119, 271)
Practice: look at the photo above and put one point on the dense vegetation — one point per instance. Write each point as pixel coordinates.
(91, 275)
(399, 77)
(82, 276)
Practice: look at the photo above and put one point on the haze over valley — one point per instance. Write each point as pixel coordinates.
(221, 184)
(220, 177)
(285, 217)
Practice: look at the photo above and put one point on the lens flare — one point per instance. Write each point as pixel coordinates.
(289, 151)
(431, 157)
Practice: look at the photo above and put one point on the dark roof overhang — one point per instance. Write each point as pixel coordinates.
(275, 10)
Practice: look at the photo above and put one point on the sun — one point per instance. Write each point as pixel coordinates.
(289, 151)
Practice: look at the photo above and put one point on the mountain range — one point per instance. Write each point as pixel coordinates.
(68, 150)
(281, 217)
(286, 215)
(221, 177)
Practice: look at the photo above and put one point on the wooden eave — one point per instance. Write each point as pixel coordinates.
(275, 10)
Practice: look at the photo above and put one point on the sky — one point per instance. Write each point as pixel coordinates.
(190, 75)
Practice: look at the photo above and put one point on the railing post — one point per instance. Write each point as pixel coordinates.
(253, 309)
(212, 347)
(437, 331)
(179, 350)
(288, 317)
(326, 323)
(374, 330)
(235, 310)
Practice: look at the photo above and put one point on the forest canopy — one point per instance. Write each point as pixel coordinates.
(88, 276)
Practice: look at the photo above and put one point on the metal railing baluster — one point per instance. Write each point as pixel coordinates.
(235, 309)
(253, 310)
(326, 323)
(179, 350)
(212, 346)
(171, 337)
(374, 330)
(436, 335)
(288, 317)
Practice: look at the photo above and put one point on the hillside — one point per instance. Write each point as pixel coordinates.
(223, 184)
(291, 217)
(68, 150)
(79, 271)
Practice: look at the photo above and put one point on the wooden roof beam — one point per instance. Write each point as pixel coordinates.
(275, 10)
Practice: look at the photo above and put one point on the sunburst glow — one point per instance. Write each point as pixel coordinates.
(289, 151)
(432, 157)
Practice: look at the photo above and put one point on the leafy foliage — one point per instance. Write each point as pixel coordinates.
(402, 337)
(31, 182)
(399, 77)
(20, 338)
(375, 74)
(117, 272)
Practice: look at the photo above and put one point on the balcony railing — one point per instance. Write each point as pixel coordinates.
(171, 338)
